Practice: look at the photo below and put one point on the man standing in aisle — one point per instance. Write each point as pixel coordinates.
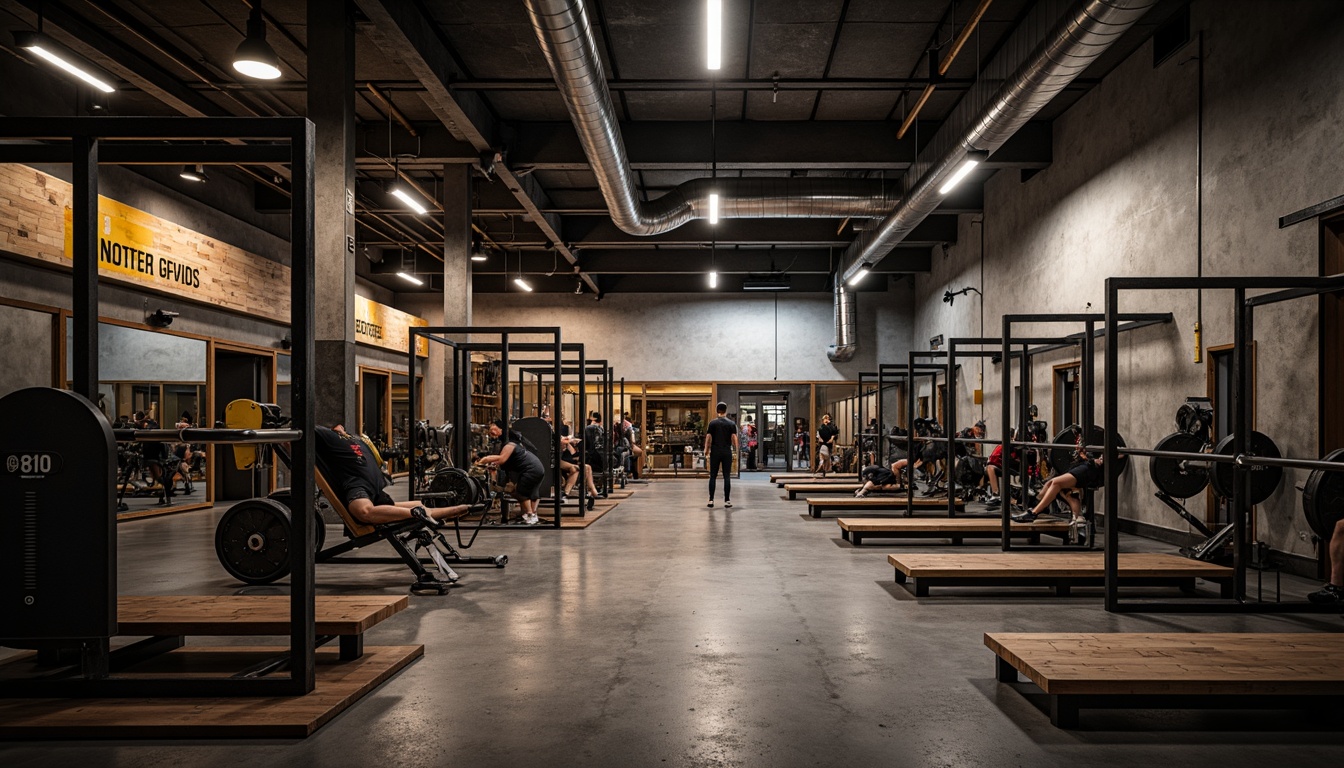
(720, 443)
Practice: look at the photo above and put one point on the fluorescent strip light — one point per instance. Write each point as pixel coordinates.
(42, 46)
(410, 202)
(858, 276)
(972, 160)
(714, 208)
(765, 287)
(521, 283)
(713, 279)
(408, 277)
(715, 33)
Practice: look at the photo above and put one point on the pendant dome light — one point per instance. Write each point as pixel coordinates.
(255, 58)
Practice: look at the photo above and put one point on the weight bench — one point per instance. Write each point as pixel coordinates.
(958, 529)
(252, 538)
(1174, 670)
(816, 506)
(807, 477)
(1060, 570)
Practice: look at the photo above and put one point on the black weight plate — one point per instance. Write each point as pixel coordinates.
(252, 541)
(1061, 460)
(456, 486)
(1175, 477)
(282, 495)
(1323, 497)
(1264, 480)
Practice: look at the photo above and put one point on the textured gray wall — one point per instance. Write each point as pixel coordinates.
(26, 336)
(1120, 200)
(132, 354)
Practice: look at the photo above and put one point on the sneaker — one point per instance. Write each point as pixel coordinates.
(591, 503)
(1024, 517)
(1327, 594)
(992, 499)
(710, 504)
(728, 504)
(532, 519)
(859, 494)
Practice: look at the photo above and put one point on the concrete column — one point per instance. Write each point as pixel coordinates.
(456, 265)
(331, 107)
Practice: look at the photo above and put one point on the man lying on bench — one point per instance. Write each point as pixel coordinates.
(355, 475)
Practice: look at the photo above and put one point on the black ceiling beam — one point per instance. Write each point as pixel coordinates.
(697, 261)
(129, 63)
(761, 145)
(731, 84)
(404, 31)
(600, 232)
(813, 284)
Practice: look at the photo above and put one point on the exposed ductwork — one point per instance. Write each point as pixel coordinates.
(1082, 34)
(570, 49)
(846, 325)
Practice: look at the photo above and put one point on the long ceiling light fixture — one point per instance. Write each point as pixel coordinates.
(408, 277)
(51, 52)
(973, 158)
(858, 276)
(714, 33)
(713, 207)
(398, 190)
(255, 57)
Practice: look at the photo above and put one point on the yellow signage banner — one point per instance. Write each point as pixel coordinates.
(379, 325)
(126, 246)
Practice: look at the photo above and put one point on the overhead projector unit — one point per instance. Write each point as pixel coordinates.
(766, 283)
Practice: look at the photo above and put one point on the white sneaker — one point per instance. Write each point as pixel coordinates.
(532, 519)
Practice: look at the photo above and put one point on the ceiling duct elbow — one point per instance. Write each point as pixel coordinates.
(567, 42)
(846, 322)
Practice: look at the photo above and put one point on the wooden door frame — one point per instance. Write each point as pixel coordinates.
(1054, 389)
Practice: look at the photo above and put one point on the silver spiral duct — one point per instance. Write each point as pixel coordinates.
(1082, 34)
(846, 325)
(567, 42)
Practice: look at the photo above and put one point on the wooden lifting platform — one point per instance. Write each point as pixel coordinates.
(957, 529)
(1060, 570)
(1174, 670)
(816, 505)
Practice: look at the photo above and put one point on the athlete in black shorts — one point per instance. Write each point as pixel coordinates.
(523, 468)
(349, 466)
(1086, 473)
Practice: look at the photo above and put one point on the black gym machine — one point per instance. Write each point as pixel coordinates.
(1240, 458)
(454, 486)
(46, 602)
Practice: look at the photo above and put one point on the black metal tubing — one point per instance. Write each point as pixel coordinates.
(914, 370)
(582, 369)
(898, 372)
(294, 137)
(461, 353)
(953, 352)
(1243, 406)
(111, 153)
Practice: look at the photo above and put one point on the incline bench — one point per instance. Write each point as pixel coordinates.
(856, 529)
(1174, 670)
(1061, 570)
(816, 505)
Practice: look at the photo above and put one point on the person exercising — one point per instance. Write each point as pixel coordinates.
(826, 435)
(523, 467)
(359, 480)
(880, 478)
(1333, 590)
(1087, 473)
(720, 442)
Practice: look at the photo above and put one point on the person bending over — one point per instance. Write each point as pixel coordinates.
(1087, 473)
(1333, 590)
(360, 482)
(522, 467)
(826, 435)
(879, 478)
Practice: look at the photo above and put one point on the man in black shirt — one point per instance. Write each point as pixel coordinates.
(349, 466)
(720, 442)
(826, 435)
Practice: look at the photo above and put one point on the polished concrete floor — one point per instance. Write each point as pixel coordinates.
(669, 634)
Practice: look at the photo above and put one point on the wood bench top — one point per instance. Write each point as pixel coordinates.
(820, 487)
(1052, 565)
(249, 614)
(1176, 663)
(807, 477)
(880, 502)
(949, 524)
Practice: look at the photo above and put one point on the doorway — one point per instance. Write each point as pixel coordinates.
(764, 417)
(1219, 361)
(240, 375)
(374, 393)
(1066, 394)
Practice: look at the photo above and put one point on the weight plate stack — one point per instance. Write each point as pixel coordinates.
(1179, 478)
(1264, 480)
(1323, 497)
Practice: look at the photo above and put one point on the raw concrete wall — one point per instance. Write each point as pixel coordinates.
(1120, 200)
(27, 335)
